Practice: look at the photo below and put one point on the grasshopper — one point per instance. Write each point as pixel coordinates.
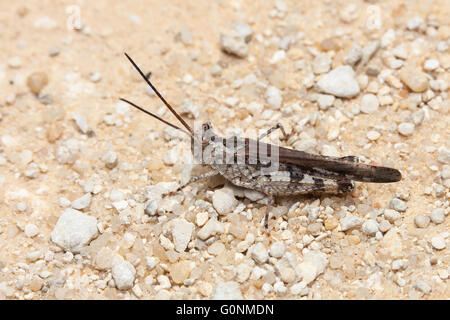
(267, 168)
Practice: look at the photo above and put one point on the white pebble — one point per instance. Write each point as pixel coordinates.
(349, 222)
(438, 242)
(431, 64)
(370, 227)
(224, 201)
(373, 135)
(123, 274)
(273, 97)
(398, 205)
(110, 159)
(369, 103)
(74, 230)
(82, 202)
(437, 215)
(181, 234)
(81, 122)
(31, 230)
(421, 221)
(325, 101)
(277, 249)
(227, 291)
(340, 82)
(259, 253)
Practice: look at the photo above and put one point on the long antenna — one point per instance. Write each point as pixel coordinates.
(155, 116)
(160, 96)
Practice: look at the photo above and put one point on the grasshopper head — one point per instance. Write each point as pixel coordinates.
(203, 142)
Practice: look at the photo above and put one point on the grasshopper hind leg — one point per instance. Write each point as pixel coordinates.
(269, 206)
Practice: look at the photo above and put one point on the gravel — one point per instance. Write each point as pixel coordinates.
(431, 64)
(438, 242)
(31, 230)
(369, 103)
(259, 253)
(181, 234)
(353, 56)
(437, 215)
(227, 291)
(273, 97)
(421, 221)
(233, 43)
(406, 128)
(82, 202)
(37, 81)
(123, 274)
(398, 205)
(277, 249)
(349, 222)
(370, 227)
(321, 63)
(224, 201)
(415, 80)
(110, 159)
(74, 230)
(340, 82)
(325, 101)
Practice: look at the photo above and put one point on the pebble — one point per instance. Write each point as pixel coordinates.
(422, 286)
(224, 201)
(280, 288)
(438, 242)
(384, 226)
(421, 221)
(415, 80)
(244, 30)
(398, 205)
(210, 228)
(415, 23)
(369, 103)
(54, 51)
(437, 215)
(406, 128)
(234, 44)
(314, 263)
(349, 222)
(277, 249)
(15, 62)
(227, 291)
(82, 202)
(37, 81)
(369, 50)
(340, 82)
(123, 274)
(373, 135)
(74, 230)
(95, 77)
(31, 230)
(370, 227)
(259, 253)
(321, 63)
(181, 234)
(325, 101)
(273, 97)
(186, 36)
(353, 56)
(180, 271)
(110, 159)
(431, 64)
(443, 155)
(171, 156)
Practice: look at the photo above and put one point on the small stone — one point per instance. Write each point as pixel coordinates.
(438, 242)
(373, 135)
(279, 288)
(15, 62)
(171, 156)
(110, 159)
(74, 230)
(421, 221)
(186, 36)
(232, 43)
(244, 30)
(259, 253)
(325, 101)
(210, 228)
(431, 64)
(224, 201)
(384, 226)
(353, 56)
(349, 222)
(31, 230)
(277, 249)
(422, 286)
(123, 274)
(369, 103)
(415, 80)
(369, 50)
(398, 205)
(444, 155)
(321, 63)
(314, 263)
(82, 202)
(415, 23)
(370, 227)
(37, 81)
(181, 234)
(151, 207)
(418, 117)
(437, 215)
(406, 128)
(227, 291)
(340, 82)
(180, 271)
(273, 97)
(95, 77)
(331, 223)
(54, 51)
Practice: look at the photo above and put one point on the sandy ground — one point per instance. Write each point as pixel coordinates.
(64, 60)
